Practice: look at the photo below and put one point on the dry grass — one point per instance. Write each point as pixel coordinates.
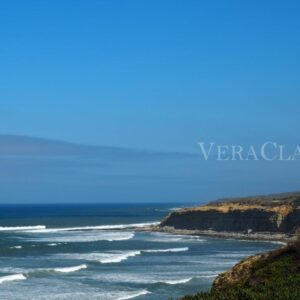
(283, 209)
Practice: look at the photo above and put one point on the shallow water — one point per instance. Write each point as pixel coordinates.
(78, 252)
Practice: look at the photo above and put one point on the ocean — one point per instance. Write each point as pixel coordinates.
(90, 252)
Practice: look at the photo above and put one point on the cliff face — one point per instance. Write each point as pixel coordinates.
(277, 214)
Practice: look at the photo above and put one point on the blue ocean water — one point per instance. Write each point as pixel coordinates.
(91, 252)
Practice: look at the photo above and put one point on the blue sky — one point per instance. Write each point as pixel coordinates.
(154, 75)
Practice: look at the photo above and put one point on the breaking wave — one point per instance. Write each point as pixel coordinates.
(13, 277)
(103, 258)
(278, 242)
(15, 247)
(115, 256)
(84, 237)
(133, 295)
(171, 238)
(22, 228)
(167, 250)
(70, 269)
(179, 281)
(84, 228)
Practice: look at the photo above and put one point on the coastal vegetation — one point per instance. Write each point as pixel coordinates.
(272, 275)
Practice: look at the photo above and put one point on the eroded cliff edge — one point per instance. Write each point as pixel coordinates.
(263, 214)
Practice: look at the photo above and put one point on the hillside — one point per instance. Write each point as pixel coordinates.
(273, 275)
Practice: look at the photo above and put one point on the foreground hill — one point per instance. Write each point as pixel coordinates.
(273, 275)
(275, 214)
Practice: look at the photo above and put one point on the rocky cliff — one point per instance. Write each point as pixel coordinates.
(275, 213)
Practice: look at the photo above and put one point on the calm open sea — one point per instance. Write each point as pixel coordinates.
(83, 252)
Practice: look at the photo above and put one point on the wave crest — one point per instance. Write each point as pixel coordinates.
(104, 258)
(80, 237)
(85, 228)
(178, 281)
(13, 277)
(70, 269)
(134, 295)
(22, 228)
(15, 247)
(167, 250)
(115, 258)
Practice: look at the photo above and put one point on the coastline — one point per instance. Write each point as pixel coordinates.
(281, 238)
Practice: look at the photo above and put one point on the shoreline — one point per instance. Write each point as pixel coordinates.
(261, 236)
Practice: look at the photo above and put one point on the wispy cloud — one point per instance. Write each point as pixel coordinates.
(15, 145)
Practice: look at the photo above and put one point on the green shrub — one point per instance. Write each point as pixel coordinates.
(277, 280)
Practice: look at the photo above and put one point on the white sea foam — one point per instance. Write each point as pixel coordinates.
(104, 258)
(171, 238)
(121, 237)
(175, 208)
(81, 236)
(178, 281)
(115, 258)
(70, 269)
(186, 280)
(85, 228)
(16, 247)
(278, 242)
(209, 276)
(22, 228)
(133, 295)
(12, 277)
(167, 250)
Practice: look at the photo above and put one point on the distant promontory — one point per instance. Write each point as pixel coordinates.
(273, 216)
